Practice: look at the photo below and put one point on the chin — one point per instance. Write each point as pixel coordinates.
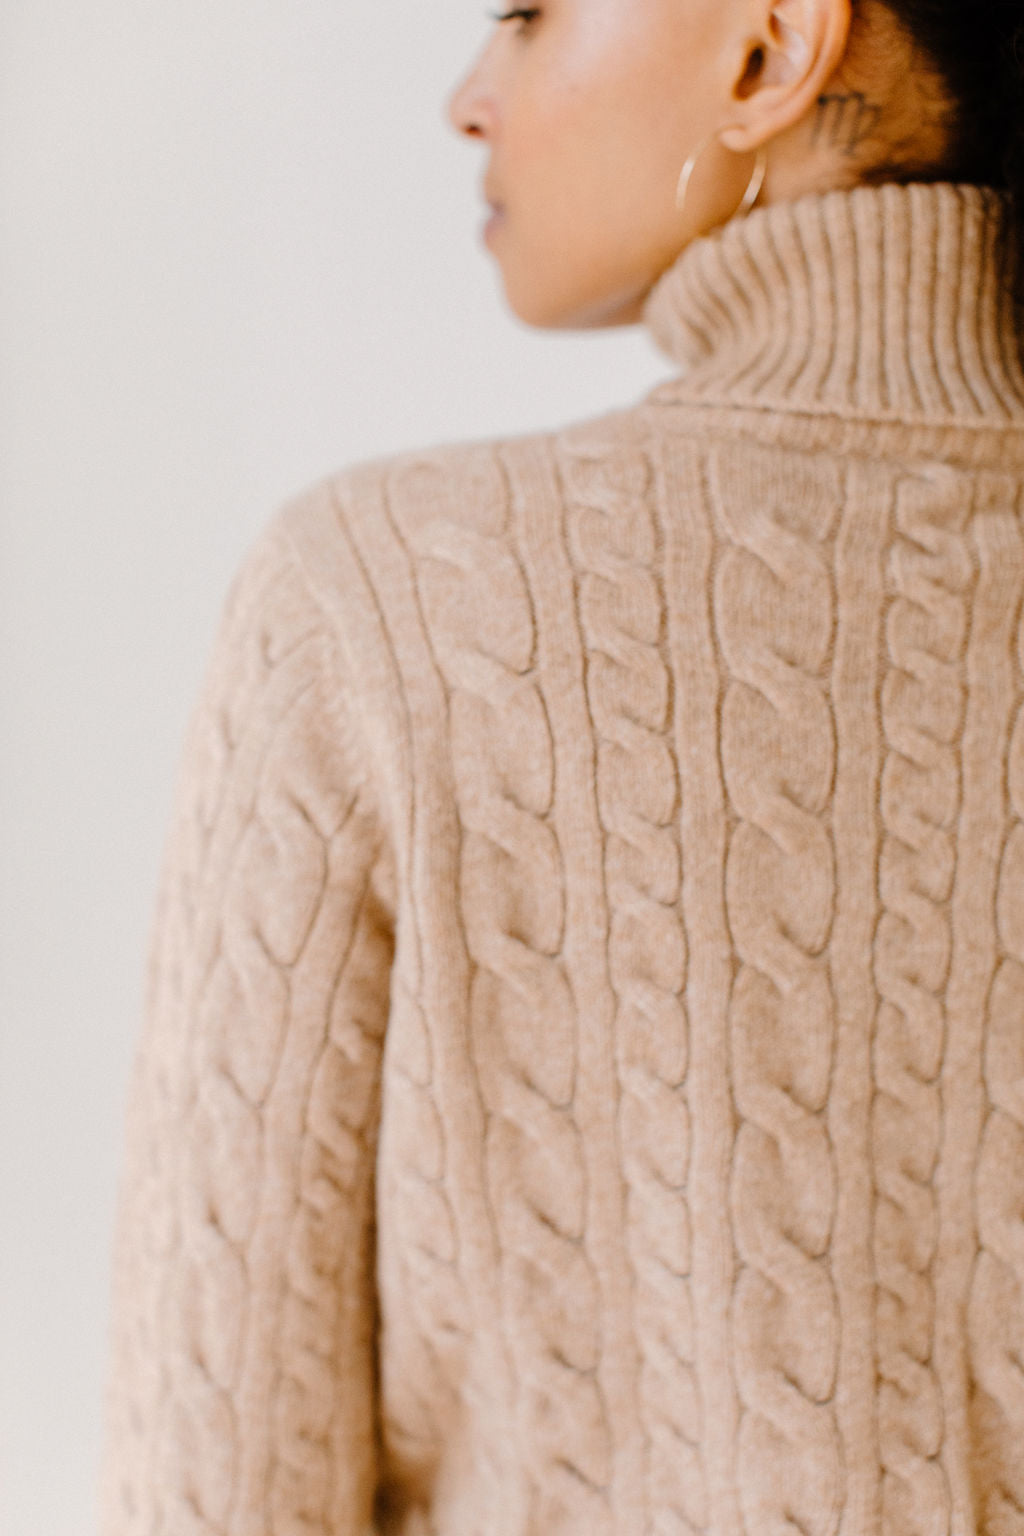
(530, 306)
(575, 312)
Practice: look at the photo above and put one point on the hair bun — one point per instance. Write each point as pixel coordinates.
(978, 50)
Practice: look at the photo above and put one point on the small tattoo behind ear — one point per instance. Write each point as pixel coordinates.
(845, 121)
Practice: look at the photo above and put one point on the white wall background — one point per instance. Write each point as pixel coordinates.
(239, 247)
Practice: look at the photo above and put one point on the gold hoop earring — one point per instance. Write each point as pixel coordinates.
(754, 186)
(755, 183)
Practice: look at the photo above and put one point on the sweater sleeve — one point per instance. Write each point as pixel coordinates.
(241, 1392)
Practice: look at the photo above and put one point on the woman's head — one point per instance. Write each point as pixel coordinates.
(589, 108)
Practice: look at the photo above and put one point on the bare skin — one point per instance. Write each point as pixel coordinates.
(590, 107)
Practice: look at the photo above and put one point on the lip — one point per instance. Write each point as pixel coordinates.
(495, 221)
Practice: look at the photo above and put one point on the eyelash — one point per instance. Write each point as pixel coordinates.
(523, 15)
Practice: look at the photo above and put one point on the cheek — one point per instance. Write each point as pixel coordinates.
(602, 104)
(561, 137)
(543, 118)
(564, 78)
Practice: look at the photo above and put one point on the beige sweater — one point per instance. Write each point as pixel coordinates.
(582, 1083)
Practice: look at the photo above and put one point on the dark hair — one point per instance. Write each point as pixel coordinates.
(977, 47)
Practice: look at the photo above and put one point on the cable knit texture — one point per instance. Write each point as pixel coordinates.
(581, 1090)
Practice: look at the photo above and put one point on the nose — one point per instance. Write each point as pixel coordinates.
(468, 108)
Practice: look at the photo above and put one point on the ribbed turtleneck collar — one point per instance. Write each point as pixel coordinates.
(882, 302)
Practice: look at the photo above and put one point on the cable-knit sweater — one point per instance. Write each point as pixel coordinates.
(581, 1090)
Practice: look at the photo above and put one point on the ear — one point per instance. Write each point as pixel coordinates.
(790, 53)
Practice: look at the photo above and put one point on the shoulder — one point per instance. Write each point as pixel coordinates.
(358, 550)
(373, 505)
(350, 526)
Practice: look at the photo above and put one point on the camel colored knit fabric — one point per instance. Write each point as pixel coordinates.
(581, 1090)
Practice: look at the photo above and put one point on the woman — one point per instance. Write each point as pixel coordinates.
(582, 1088)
